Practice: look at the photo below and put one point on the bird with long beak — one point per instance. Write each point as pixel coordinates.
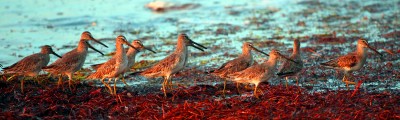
(131, 54)
(259, 73)
(289, 68)
(115, 66)
(351, 62)
(31, 65)
(240, 63)
(172, 63)
(73, 60)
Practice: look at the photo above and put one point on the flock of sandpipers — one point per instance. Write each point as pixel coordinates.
(242, 69)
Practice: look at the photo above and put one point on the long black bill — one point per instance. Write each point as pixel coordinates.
(197, 45)
(54, 53)
(254, 48)
(91, 47)
(288, 58)
(373, 49)
(127, 43)
(99, 42)
(149, 49)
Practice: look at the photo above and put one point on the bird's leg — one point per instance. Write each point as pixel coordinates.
(123, 79)
(348, 80)
(163, 86)
(286, 82)
(297, 80)
(223, 91)
(344, 80)
(255, 91)
(105, 84)
(237, 87)
(169, 81)
(115, 84)
(22, 84)
(109, 81)
(10, 78)
(60, 82)
(70, 81)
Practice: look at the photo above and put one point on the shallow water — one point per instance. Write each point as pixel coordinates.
(221, 26)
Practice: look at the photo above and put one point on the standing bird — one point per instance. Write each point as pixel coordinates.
(74, 59)
(352, 61)
(173, 63)
(259, 73)
(289, 68)
(131, 54)
(115, 66)
(240, 63)
(31, 65)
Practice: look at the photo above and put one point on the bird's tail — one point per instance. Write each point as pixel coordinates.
(332, 63)
(9, 67)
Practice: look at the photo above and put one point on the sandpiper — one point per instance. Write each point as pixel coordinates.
(259, 73)
(115, 66)
(240, 63)
(131, 54)
(32, 64)
(173, 63)
(73, 60)
(351, 62)
(289, 68)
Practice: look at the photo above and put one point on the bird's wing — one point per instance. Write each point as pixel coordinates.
(106, 69)
(164, 65)
(68, 59)
(249, 73)
(26, 64)
(232, 66)
(349, 60)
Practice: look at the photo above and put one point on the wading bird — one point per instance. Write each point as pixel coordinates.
(289, 68)
(259, 73)
(173, 63)
(31, 65)
(240, 63)
(115, 66)
(351, 62)
(73, 60)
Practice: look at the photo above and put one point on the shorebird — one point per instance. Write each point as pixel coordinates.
(74, 59)
(351, 62)
(259, 73)
(32, 64)
(289, 68)
(131, 54)
(240, 63)
(173, 63)
(115, 66)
